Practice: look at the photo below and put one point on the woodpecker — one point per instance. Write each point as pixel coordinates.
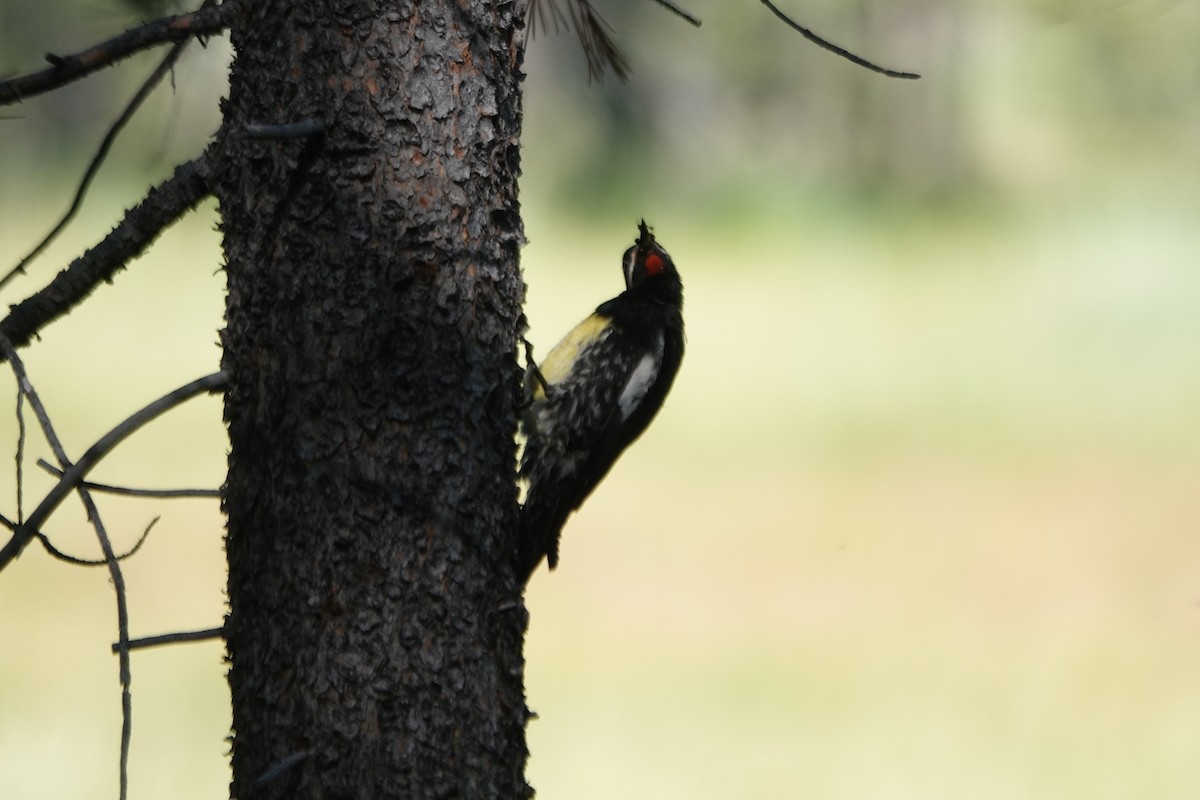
(594, 393)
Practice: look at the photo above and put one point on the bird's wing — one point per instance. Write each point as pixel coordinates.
(594, 385)
(577, 427)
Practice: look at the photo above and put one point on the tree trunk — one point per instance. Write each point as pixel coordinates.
(375, 626)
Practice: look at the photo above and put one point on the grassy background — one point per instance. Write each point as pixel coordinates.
(927, 532)
(922, 531)
(918, 520)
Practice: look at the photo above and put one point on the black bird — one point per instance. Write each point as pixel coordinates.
(595, 393)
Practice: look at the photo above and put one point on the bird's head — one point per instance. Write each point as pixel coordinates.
(645, 259)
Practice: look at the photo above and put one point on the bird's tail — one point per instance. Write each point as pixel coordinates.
(540, 525)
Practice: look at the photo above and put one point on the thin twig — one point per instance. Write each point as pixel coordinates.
(171, 638)
(114, 568)
(20, 453)
(126, 676)
(89, 562)
(125, 491)
(142, 224)
(95, 453)
(833, 48)
(35, 402)
(207, 20)
(98, 159)
(667, 4)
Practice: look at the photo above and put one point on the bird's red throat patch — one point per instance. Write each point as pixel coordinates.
(654, 264)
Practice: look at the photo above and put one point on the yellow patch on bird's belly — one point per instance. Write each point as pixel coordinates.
(557, 364)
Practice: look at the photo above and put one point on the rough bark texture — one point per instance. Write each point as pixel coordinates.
(374, 297)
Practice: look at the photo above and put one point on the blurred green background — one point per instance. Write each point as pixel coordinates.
(920, 517)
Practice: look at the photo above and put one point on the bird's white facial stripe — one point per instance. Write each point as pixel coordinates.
(630, 260)
(640, 381)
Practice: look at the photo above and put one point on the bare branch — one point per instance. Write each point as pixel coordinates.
(125, 491)
(118, 581)
(74, 474)
(171, 638)
(833, 48)
(20, 452)
(133, 235)
(66, 69)
(26, 388)
(667, 4)
(110, 558)
(88, 562)
(97, 160)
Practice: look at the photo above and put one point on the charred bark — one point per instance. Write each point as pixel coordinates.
(375, 623)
